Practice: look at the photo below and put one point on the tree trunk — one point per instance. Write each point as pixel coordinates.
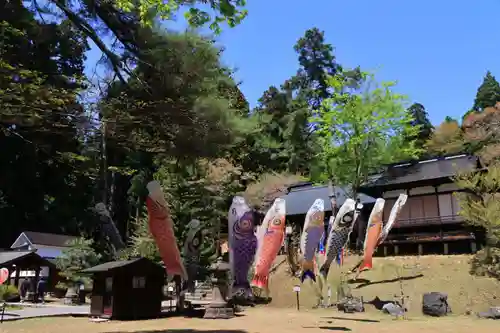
(489, 244)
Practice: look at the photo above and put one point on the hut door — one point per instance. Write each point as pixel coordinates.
(107, 300)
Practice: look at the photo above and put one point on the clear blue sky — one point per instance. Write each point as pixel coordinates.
(438, 51)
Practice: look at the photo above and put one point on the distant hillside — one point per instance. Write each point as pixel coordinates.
(448, 274)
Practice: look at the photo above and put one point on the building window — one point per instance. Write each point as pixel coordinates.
(139, 282)
(109, 284)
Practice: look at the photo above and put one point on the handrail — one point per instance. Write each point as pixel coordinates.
(429, 237)
(421, 221)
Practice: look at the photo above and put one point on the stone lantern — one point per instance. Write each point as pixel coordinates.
(219, 307)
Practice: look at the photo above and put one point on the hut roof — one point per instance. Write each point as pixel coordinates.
(114, 265)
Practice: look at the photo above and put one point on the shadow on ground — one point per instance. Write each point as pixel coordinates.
(362, 320)
(186, 331)
(404, 278)
(330, 328)
(378, 303)
(353, 281)
(262, 300)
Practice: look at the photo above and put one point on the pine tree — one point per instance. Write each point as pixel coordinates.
(421, 119)
(488, 93)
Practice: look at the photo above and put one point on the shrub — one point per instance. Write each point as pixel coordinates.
(7, 292)
(486, 264)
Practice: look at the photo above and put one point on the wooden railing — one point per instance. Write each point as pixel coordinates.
(429, 237)
(424, 221)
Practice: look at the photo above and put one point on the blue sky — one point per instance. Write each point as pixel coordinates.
(438, 51)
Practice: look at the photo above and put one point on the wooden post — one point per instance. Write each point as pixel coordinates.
(37, 278)
(445, 248)
(385, 251)
(473, 247)
(420, 249)
(18, 273)
(396, 250)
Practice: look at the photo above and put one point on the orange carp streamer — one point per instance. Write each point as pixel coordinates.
(373, 232)
(162, 229)
(270, 239)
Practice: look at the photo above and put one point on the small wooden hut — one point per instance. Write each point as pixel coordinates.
(130, 289)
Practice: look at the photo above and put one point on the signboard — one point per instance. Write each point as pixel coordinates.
(296, 289)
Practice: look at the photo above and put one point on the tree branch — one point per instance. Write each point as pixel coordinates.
(92, 34)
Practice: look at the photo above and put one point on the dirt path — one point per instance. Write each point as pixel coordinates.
(262, 320)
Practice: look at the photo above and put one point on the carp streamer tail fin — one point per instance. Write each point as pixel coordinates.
(324, 270)
(260, 281)
(307, 274)
(367, 265)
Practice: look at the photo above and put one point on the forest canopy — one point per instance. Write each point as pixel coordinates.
(172, 110)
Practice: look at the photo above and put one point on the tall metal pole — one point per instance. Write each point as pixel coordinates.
(333, 199)
(104, 163)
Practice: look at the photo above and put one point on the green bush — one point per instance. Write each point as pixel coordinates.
(7, 292)
(486, 263)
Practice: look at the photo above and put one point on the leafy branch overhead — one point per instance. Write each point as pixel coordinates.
(362, 129)
(125, 21)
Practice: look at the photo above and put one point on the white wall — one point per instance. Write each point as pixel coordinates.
(48, 251)
(44, 271)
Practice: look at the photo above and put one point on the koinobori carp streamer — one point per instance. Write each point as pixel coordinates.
(162, 230)
(270, 239)
(396, 209)
(314, 228)
(242, 243)
(373, 232)
(338, 235)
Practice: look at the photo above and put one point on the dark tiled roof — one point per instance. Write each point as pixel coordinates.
(413, 172)
(112, 265)
(300, 198)
(41, 238)
(11, 257)
(8, 257)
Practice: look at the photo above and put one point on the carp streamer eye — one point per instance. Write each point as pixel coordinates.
(245, 224)
(277, 222)
(347, 218)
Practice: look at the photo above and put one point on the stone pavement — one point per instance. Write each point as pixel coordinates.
(48, 310)
(29, 310)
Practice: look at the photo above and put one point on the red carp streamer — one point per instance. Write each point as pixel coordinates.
(373, 231)
(270, 239)
(161, 227)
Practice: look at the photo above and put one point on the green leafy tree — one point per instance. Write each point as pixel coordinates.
(447, 138)
(261, 193)
(126, 21)
(176, 97)
(228, 11)
(285, 141)
(482, 134)
(181, 104)
(79, 256)
(361, 132)
(141, 243)
(317, 63)
(198, 189)
(488, 93)
(421, 119)
(49, 186)
(480, 207)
